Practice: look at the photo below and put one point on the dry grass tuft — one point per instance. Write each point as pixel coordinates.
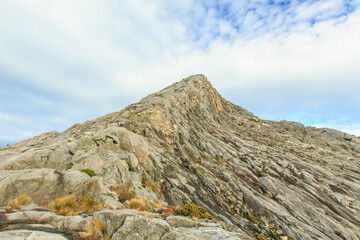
(139, 204)
(99, 226)
(144, 205)
(123, 193)
(95, 231)
(171, 210)
(258, 236)
(155, 205)
(18, 202)
(74, 205)
(90, 233)
(146, 183)
(23, 200)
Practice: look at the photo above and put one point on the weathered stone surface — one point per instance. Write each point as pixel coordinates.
(179, 221)
(118, 224)
(29, 235)
(138, 227)
(44, 185)
(186, 143)
(202, 234)
(113, 220)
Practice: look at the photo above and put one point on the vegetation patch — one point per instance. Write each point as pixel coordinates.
(170, 210)
(194, 211)
(89, 172)
(18, 202)
(90, 185)
(258, 236)
(95, 231)
(139, 204)
(131, 167)
(146, 183)
(143, 204)
(123, 193)
(99, 226)
(23, 200)
(74, 205)
(254, 217)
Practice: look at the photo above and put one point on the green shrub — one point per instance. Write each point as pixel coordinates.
(89, 172)
(195, 211)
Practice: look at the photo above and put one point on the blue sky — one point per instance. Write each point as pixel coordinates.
(65, 62)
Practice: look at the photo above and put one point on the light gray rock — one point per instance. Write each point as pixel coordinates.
(202, 234)
(141, 228)
(186, 143)
(29, 235)
(44, 185)
(179, 221)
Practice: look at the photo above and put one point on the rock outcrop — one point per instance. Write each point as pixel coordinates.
(33, 222)
(184, 144)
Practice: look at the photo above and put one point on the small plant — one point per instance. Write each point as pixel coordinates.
(143, 204)
(144, 181)
(258, 236)
(171, 210)
(254, 217)
(123, 193)
(89, 203)
(23, 200)
(73, 205)
(91, 184)
(194, 211)
(89, 172)
(18, 202)
(64, 206)
(91, 233)
(155, 205)
(99, 226)
(156, 190)
(139, 204)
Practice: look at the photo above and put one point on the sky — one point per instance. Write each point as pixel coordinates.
(66, 62)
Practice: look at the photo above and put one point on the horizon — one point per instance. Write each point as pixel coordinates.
(67, 62)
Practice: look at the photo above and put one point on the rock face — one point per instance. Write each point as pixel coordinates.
(37, 223)
(186, 143)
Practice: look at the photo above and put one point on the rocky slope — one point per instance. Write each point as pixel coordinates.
(186, 143)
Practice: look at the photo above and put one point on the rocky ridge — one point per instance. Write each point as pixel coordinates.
(186, 143)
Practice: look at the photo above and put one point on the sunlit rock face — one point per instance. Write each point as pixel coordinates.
(186, 143)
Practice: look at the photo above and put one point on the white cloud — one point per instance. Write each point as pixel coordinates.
(87, 58)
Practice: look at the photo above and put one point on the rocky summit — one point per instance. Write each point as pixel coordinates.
(183, 163)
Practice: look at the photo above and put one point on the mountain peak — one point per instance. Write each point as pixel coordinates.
(193, 85)
(192, 92)
(185, 144)
(198, 81)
